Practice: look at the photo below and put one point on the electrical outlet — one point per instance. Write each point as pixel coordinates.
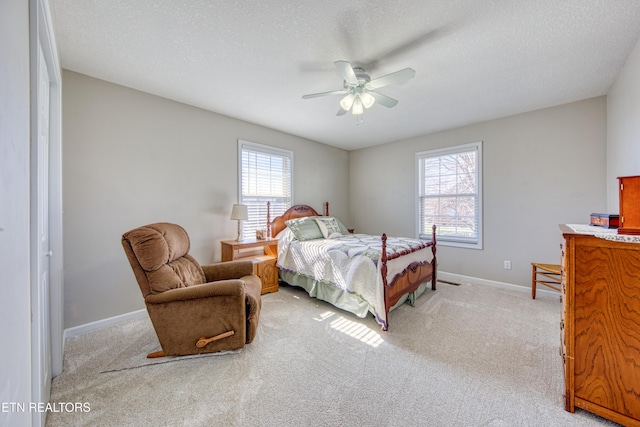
(507, 265)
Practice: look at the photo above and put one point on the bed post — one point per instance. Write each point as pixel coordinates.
(268, 236)
(383, 272)
(383, 260)
(434, 263)
(326, 208)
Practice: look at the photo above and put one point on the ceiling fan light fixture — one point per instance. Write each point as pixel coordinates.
(360, 91)
(358, 107)
(347, 102)
(367, 99)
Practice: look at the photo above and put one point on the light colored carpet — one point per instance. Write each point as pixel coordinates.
(466, 355)
(132, 354)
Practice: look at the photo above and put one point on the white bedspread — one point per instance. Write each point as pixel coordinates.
(349, 262)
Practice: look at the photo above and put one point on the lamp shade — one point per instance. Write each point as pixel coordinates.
(367, 99)
(347, 102)
(239, 212)
(357, 108)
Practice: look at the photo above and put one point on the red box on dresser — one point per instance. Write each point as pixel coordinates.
(605, 220)
(629, 205)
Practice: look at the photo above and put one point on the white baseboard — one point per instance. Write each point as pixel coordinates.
(104, 323)
(459, 278)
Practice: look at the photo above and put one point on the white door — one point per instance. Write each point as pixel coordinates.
(40, 314)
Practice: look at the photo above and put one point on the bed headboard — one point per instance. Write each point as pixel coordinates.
(295, 211)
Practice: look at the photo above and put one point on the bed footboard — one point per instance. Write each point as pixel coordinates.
(410, 278)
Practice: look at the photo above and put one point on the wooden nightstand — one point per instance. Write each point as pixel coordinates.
(263, 254)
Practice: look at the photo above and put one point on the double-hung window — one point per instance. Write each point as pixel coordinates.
(265, 175)
(450, 195)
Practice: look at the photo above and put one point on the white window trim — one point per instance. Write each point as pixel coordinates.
(440, 152)
(265, 149)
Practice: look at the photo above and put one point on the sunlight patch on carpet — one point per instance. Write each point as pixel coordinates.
(351, 328)
(357, 331)
(324, 316)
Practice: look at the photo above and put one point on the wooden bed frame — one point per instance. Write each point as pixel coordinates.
(406, 282)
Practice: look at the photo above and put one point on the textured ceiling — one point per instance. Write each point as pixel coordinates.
(474, 60)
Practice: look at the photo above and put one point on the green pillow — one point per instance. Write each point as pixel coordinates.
(343, 229)
(329, 227)
(304, 228)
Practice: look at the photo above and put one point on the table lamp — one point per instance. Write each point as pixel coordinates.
(239, 213)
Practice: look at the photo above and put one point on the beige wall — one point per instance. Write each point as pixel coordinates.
(541, 169)
(131, 158)
(623, 127)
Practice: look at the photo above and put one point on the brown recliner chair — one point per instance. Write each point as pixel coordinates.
(194, 309)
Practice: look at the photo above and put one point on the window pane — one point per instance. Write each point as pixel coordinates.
(447, 164)
(431, 166)
(448, 184)
(432, 186)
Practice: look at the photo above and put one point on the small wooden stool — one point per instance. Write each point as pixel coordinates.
(550, 276)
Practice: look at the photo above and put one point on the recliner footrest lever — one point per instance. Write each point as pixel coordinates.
(204, 341)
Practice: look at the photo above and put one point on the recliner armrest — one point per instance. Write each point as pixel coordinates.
(227, 270)
(212, 289)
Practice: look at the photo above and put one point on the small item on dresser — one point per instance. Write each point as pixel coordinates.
(260, 235)
(605, 220)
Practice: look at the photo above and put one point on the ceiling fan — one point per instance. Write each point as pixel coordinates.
(360, 91)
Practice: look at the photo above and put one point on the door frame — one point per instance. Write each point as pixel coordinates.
(42, 36)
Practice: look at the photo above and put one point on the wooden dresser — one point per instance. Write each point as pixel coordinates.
(600, 327)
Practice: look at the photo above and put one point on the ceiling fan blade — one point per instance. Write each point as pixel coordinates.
(406, 47)
(346, 71)
(385, 100)
(341, 112)
(397, 77)
(333, 92)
